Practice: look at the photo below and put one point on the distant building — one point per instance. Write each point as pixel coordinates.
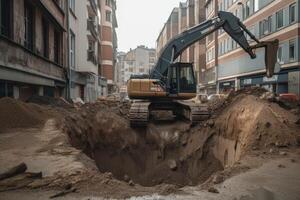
(108, 43)
(187, 15)
(120, 69)
(33, 46)
(140, 60)
(229, 67)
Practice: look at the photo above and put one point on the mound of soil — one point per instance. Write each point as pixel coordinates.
(248, 123)
(50, 101)
(176, 153)
(16, 114)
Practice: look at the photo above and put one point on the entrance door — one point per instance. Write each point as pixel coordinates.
(81, 92)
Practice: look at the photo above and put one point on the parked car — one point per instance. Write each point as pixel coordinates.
(213, 97)
(290, 97)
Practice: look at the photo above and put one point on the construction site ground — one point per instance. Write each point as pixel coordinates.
(249, 149)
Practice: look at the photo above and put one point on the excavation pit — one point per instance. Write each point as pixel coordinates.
(172, 152)
(163, 153)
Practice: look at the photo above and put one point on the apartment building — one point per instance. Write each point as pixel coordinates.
(228, 67)
(84, 49)
(187, 15)
(140, 60)
(120, 69)
(33, 44)
(108, 44)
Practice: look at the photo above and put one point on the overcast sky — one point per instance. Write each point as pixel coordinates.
(140, 21)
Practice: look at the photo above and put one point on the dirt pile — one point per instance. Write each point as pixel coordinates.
(174, 152)
(50, 101)
(248, 123)
(16, 114)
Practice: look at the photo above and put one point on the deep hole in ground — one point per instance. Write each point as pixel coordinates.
(173, 152)
(162, 153)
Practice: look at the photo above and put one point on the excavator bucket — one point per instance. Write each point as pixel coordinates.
(271, 49)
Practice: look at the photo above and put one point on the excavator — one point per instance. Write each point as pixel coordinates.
(172, 83)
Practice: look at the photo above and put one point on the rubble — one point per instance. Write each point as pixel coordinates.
(213, 190)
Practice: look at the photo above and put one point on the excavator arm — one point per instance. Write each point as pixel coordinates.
(231, 25)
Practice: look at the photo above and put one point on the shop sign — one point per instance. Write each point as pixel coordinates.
(247, 81)
(272, 79)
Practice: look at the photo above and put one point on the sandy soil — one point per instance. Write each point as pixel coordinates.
(267, 182)
(248, 150)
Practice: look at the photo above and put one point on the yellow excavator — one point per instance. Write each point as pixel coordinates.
(171, 83)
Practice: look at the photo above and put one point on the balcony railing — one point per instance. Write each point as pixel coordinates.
(92, 27)
(91, 56)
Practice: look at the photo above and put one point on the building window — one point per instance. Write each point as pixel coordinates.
(265, 26)
(72, 49)
(292, 50)
(292, 11)
(91, 52)
(45, 29)
(256, 5)
(108, 16)
(72, 5)
(5, 18)
(56, 47)
(279, 19)
(270, 24)
(247, 9)
(108, 2)
(29, 26)
(279, 54)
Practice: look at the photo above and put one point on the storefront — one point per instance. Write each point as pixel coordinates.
(277, 84)
(226, 86)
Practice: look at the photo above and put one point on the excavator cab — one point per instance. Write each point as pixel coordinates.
(181, 79)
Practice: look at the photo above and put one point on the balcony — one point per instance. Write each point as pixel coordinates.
(92, 28)
(91, 56)
(94, 5)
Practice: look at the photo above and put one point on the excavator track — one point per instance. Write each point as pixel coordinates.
(195, 113)
(139, 113)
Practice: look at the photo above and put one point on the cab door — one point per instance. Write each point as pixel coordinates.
(186, 78)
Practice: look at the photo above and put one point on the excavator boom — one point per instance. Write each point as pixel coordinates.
(231, 25)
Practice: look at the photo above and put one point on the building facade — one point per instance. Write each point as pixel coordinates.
(108, 44)
(33, 46)
(140, 60)
(120, 69)
(228, 67)
(187, 15)
(84, 43)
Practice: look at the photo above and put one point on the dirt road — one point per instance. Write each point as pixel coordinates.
(268, 182)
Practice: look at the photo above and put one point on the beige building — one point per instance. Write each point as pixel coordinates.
(33, 46)
(84, 49)
(140, 60)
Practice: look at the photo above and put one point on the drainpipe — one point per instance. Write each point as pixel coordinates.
(68, 54)
(217, 51)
